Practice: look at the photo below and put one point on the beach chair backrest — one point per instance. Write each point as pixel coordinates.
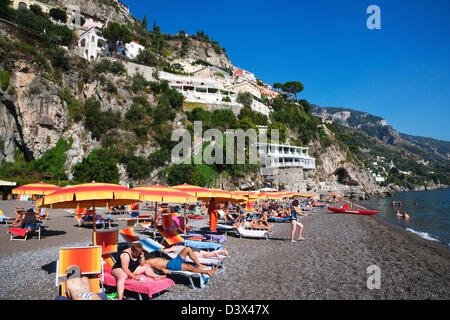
(88, 259)
(129, 235)
(171, 236)
(108, 261)
(80, 210)
(167, 221)
(108, 240)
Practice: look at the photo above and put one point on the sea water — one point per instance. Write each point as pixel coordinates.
(429, 213)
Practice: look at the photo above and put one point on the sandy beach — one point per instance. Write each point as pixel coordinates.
(331, 263)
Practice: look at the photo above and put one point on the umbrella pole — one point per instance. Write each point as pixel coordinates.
(93, 219)
(154, 220)
(109, 216)
(185, 226)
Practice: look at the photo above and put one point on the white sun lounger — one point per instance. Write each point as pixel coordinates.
(246, 233)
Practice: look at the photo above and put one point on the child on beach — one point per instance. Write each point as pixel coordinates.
(294, 213)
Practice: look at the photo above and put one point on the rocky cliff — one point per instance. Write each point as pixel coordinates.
(105, 10)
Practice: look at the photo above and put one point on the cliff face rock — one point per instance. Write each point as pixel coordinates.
(33, 117)
(82, 145)
(108, 10)
(198, 50)
(334, 159)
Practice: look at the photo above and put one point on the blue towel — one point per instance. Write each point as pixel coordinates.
(150, 245)
(203, 245)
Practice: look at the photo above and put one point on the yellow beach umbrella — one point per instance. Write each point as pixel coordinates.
(89, 195)
(36, 188)
(202, 194)
(158, 193)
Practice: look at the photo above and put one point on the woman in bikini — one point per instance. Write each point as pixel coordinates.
(131, 264)
(294, 213)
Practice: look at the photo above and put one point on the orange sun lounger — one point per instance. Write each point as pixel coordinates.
(88, 259)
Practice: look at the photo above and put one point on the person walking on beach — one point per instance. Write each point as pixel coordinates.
(131, 264)
(294, 213)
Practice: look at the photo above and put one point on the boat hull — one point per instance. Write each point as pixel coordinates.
(352, 211)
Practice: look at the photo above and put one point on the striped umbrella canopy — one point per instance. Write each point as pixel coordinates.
(252, 195)
(333, 194)
(227, 195)
(36, 188)
(199, 192)
(89, 195)
(160, 193)
(273, 195)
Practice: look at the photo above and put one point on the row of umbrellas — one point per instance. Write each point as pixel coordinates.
(94, 195)
(105, 194)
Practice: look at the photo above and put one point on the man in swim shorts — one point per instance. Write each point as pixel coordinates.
(179, 264)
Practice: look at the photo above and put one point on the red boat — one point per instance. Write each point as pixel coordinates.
(346, 209)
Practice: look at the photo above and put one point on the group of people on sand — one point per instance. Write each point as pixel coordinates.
(132, 264)
(26, 220)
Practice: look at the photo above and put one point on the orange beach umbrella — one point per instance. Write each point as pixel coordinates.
(89, 195)
(199, 192)
(36, 188)
(160, 193)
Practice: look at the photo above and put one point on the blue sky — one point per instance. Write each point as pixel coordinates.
(400, 73)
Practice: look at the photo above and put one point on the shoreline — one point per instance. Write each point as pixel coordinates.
(331, 263)
(419, 230)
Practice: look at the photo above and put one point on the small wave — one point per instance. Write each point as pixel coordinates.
(423, 235)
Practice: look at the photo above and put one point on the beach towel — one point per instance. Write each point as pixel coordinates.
(179, 222)
(148, 286)
(194, 216)
(18, 231)
(215, 237)
(203, 245)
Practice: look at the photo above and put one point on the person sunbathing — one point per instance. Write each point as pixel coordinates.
(179, 264)
(219, 254)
